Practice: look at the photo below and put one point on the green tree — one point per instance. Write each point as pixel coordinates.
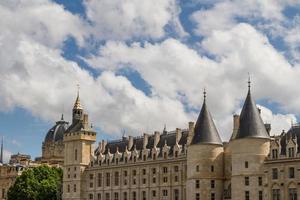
(39, 183)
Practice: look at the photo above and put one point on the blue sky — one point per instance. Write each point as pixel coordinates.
(141, 66)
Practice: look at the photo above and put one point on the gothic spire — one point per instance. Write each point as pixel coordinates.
(205, 129)
(77, 104)
(251, 124)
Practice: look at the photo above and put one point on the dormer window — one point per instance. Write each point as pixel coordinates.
(274, 153)
(154, 156)
(176, 154)
(165, 155)
(291, 152)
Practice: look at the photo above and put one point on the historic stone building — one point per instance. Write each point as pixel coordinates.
(185, 164)
(53, 146)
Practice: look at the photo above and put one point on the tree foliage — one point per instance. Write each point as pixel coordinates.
(39, 183)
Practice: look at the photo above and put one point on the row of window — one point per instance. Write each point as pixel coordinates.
(212, 196)
(292, 194)
(134, 196)
(290, 153)
(247, 181)
(212, 184)
(291, 173)
(134, 173)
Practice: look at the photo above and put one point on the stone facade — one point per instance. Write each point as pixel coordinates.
(184, 164)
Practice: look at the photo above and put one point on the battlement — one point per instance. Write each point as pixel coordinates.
(80, 135)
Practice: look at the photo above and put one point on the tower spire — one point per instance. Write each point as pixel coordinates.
(205, 129)
(251, 124)
(77, 104)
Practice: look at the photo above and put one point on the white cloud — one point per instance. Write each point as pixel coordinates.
(43, 21)
(175, 71)
(278, 121)
(128, 19)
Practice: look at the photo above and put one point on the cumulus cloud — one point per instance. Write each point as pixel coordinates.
(129, 19)
(174, 70)
(35, 76)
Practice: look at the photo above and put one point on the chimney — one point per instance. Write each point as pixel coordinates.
(85, 121)
(145, 140)
(178, 135)
(130, 143)
(268, 128)
(191, 132)
(103, 143)
(156, 138)
(236, 122)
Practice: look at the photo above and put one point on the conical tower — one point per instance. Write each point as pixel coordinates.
(249, 148)
(205, 159)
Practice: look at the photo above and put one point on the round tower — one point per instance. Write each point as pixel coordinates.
(205, 159)
(249, 148)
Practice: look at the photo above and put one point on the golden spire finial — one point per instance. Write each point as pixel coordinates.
(77, 104)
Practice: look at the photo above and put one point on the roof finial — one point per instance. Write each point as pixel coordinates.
(249, 81)
(78, 88)
(204, 94)
(62, 117)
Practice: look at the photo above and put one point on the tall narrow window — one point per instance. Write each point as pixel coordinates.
(144, 195)
(292, 194)
(275, 194)
(260, 181)
(212, 168)
(246, 180)
(76, 154)
(116, 196)
(99, 179)
(116, 178)
(125, 195)
(212, 196)
(176, 194)
(291, 172)
(197, 184)
(247, 195)
(274, 173)
(212, 183)
(74, 189)
(246, 164)
(291, 152)
(197, 196)
(260, 195)
(107, 179)
(133, 195)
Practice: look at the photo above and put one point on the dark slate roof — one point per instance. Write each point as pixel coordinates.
(77, 126)
(251, 124)
(292, 133)
(205, 129)
(169, 137)
(56, 133)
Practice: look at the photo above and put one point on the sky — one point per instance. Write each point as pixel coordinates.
(143, 65)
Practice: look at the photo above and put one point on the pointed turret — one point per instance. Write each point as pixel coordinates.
(77, 109)
(77, 104)
(205, 129)
(251, 124)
